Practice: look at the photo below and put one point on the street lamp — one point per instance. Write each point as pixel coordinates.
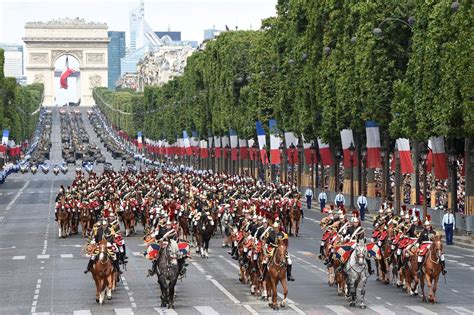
(452, 155)
(283, 161)
(377, 31)
(313, 167)
(363, 155)
(227, 153)
(351, 151)
(292, 162)
(397, 180)
(424, 156)
(255, 161)
(383, 152)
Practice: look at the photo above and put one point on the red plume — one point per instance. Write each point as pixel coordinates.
(428, 217)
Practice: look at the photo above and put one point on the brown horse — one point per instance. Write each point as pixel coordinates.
(277, 273)
(128, 218)
(410, 270)
(432, 266)
(86, 221)
(63, 222)
(295, 219)
(103, 273)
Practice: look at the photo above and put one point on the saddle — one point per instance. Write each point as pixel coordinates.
(425, 246)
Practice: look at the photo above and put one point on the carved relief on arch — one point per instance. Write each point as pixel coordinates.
(95, 81)
(55, 54)
(39, 78)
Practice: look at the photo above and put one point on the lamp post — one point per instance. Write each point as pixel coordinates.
(283, 159)
(383, 151)
(299, 148)
(292, 162)
(454, 178)
(424, 155)
(255, 161)
(336, 164)
(238, 162)
(397, 180)
(313, 167)
(322, 180)
(363, 155)
(377, 31)
(351, 151)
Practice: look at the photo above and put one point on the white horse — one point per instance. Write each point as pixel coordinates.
(356, 271)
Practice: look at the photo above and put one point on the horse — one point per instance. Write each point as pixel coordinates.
(203, 233)
(167, 275)
(103, 273)
(86, 221)
(295, 219)
(410, 270)
(63, 222)
(277, 273)
(356, 274)
(432, 266)
(128, 218)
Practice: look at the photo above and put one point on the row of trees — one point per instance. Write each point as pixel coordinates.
(322, 66)
(18, 106)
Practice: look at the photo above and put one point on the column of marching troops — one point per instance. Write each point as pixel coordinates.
(253, 218)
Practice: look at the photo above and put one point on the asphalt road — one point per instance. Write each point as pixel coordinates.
(40, 273)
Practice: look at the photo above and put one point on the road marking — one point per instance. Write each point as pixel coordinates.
(250, 309)
(137, 254)
(67, 256)
(224, 290)
(42, 256)
(295, 308)
(379, 309)
(18, 257)
(312, 220)
(455, 291)
(206, 310)
(82, 312)
(452, 256)
(339, 310)
(123, 311)
(198, 267)
(460, 310)
(11, 247)
(165, 311)
(464, 265)
(421, 310)
(17, 195)
(230, 262)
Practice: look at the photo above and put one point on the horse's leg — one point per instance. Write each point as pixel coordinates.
(163, 292)
(363, 282)
(171, 293)
(422, 287)
(435, 287)
(284, 284)
(97, 290)
(430, 286)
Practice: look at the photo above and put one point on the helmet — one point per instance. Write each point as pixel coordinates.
(354, 220)
(276, 225)
(427, 221)
(104, 222)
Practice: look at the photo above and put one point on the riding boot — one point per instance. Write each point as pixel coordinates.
(124, 252)
(55, 216)
(89, 266)
(443, 266)
(328, 262)
(321, 252)
(117, 266)
(289, 277)
(234, 253)
(420, 265)
(264, 266)
(302, 213)
(152, 271)
(369, 266)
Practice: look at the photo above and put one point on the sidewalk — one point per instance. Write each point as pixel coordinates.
(464, 241)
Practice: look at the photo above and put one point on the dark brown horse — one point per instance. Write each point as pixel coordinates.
(295, 218)
(276, 274)
(86, 221)
(128, 218)
(103, 273)
(63, 222)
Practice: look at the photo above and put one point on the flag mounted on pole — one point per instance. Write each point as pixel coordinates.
(325, 153)
(439, 158)
(186, 143)
(406, 164)
(139, 140)
(347, 138)
(291, 149)
(309, 155)
(262, 142)
(373, 144)
(274, 142)
(233, 144)
(66, 73)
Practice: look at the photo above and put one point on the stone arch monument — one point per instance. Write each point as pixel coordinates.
(47, 41)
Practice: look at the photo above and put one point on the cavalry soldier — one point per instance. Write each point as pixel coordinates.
(423, 243)
(100, 233)
(274, 237)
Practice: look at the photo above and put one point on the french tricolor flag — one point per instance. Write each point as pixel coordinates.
(325, 153)
(217, 146)
(186, 143)
(347, 138)
(373, 144)
(439, 157)
(291, 152)
(194, 142)
(203, 149)
(234, 140)
(274, 142)
(406, 164)
(244, 151)
(139, 140)
(309, 156)
(262, 142)
(225, 145)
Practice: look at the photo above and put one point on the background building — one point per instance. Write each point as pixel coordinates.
(211, 33)
(116, 52)
(13, 60)
(174, 35)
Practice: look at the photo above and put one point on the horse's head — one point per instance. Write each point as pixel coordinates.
(360, 253)
(102, 250)
(280, 255)
(437, 245)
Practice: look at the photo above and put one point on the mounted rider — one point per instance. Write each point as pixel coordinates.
(274, 237)
(99, 233)
(423, 243)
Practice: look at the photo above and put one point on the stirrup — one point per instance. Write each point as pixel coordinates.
(444, 272)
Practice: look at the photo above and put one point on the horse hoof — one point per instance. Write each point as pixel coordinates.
(109, 298)
(97, 300)
(282, 305)
(352, 304)
(363, 306)
(163, 304)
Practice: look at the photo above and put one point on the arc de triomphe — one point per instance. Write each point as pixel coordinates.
(47, 41)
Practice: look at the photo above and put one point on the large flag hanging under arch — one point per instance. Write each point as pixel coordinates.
(66, 73)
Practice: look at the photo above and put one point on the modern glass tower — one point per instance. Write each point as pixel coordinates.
(116, 51)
